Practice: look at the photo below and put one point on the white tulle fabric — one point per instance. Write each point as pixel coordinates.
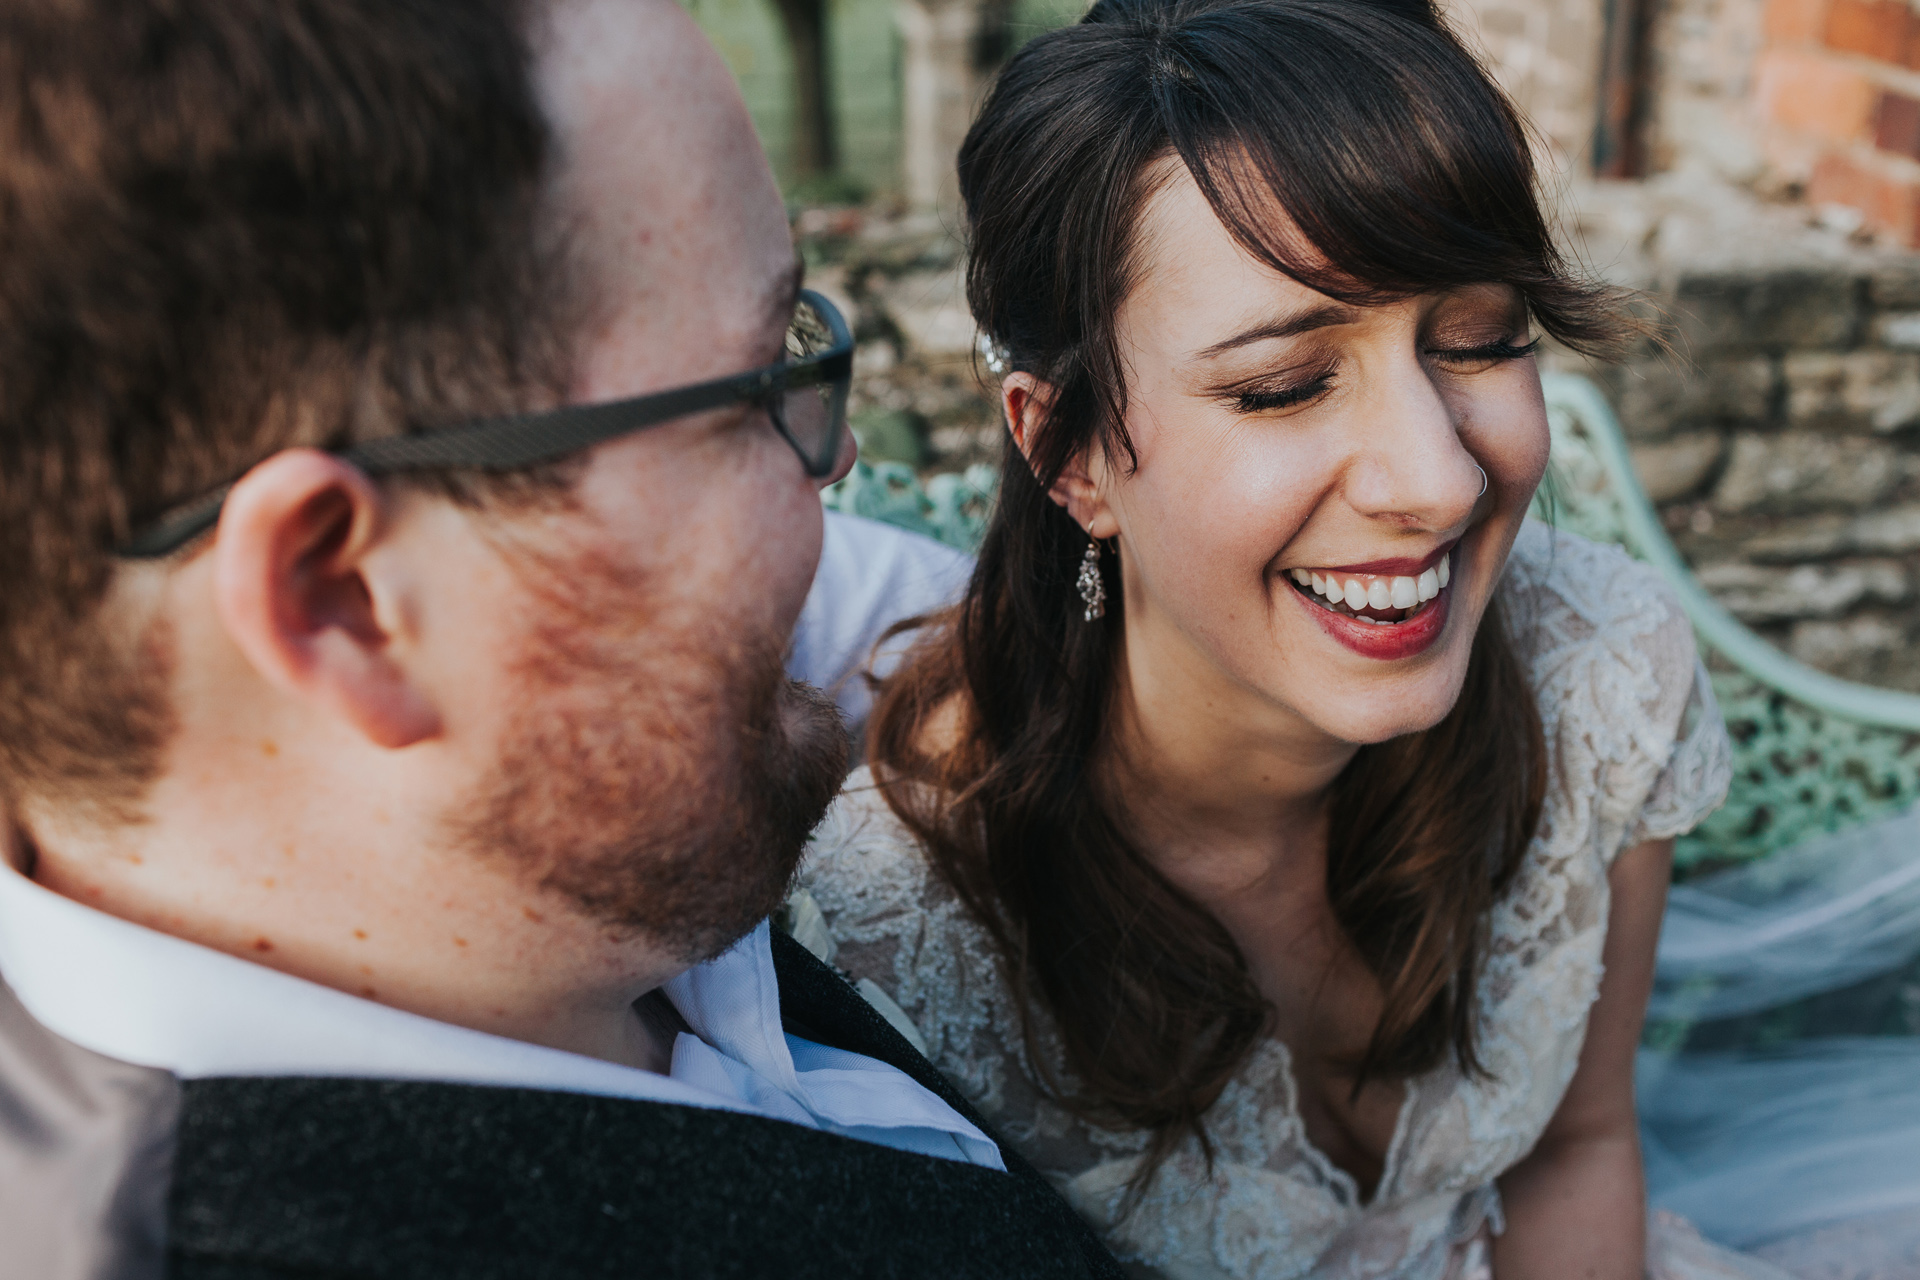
(1636, 750)
(1806, 1150)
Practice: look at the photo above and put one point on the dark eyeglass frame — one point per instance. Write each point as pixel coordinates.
(528, 439)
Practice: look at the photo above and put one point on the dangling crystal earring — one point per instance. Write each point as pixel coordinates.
(1092, 589)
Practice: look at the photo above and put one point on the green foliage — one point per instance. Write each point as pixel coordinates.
(951, 508)
(828, 189)
(863, 63)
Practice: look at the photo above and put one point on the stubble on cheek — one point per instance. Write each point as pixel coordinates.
(659, 770)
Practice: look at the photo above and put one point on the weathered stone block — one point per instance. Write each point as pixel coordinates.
(930, 310)
(1849, 647)
(1897, 329)
(1796, 472)
(1807, 538)
(1675, 468)
(1657, 395)
(1892, 531)
(1895, 285)
(1782, 309)
(1852, 390)
(1757, 594)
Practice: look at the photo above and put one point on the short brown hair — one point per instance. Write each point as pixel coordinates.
(228, 227)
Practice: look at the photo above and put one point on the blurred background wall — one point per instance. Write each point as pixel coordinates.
(1752, 166)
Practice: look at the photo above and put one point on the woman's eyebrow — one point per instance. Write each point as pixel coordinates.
(1320, 317)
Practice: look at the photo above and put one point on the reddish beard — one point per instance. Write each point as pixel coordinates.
(666, 791)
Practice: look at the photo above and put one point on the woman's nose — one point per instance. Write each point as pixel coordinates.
(1411, 467)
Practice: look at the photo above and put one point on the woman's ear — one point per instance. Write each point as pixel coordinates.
(1080, 486)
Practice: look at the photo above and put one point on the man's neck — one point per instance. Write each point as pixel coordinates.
(436, 936)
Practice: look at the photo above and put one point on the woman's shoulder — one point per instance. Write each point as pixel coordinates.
(890, 919)
(1587, 618)
(1624, 700)
(862, 862)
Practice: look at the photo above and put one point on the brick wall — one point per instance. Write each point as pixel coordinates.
(1837, 90)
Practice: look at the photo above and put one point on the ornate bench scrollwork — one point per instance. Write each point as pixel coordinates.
(950, 507)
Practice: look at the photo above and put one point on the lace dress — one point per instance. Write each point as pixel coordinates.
(1637, 751)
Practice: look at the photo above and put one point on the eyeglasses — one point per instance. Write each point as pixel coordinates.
(805, 395)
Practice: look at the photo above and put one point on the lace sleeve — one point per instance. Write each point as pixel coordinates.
(894, 927)
(892, 923)
(1683, 733)
(1636, 743)
(1698, 771)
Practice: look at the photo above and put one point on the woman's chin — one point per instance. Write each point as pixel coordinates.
(1364, 728)
(1378, 701)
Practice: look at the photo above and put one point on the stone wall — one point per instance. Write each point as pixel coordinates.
(1546, 55)
(1776, 420)
(1785, 455)
(1796, 99)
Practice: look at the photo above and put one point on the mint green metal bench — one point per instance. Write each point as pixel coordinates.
(1812, 753)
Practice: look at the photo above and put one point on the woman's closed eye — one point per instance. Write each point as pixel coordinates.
(1279, 389)
(1294, 391)
(1270, 399)
(1490, 353)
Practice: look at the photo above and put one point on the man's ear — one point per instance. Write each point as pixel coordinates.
(1025, 400)
(292, 585)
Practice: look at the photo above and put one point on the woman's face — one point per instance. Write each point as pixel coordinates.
(1282, 437)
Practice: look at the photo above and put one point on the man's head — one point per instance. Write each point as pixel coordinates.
(365, 720)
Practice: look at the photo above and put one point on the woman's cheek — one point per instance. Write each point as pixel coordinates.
(1514, 437)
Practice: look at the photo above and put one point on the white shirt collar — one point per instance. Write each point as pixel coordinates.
(145, 997)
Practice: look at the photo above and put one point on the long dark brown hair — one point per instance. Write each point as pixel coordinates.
(1407, 171)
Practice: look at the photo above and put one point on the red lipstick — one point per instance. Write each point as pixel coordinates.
(1401, 568)
(1398, 640)
(1391, 641)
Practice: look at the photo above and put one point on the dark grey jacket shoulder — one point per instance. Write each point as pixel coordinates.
(272, 1179)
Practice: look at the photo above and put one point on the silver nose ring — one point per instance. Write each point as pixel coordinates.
(1483, 481)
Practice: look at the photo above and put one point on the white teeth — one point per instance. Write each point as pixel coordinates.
(1405, 592)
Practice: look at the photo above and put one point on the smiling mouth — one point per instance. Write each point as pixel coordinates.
(1384, 601)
